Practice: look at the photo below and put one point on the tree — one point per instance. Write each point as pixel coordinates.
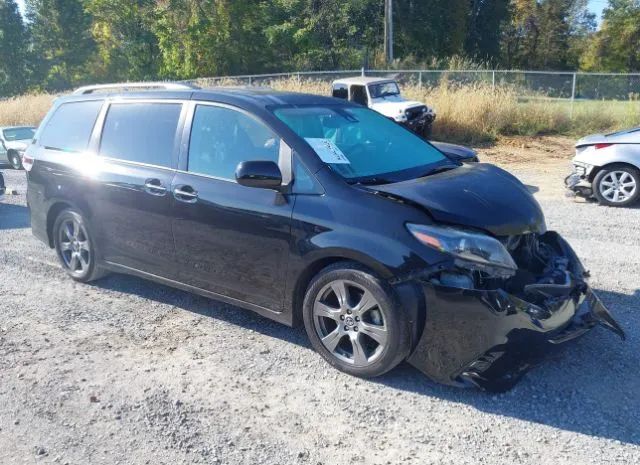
(325, 34)
(211, 37)
(616, 46)
(61, 41)
(540, 34)
(484, 29)
(13, 50)
(126, 45)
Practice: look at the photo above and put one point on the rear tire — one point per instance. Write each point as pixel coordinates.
(354, 321)
(76, 247)
(617, 185)
(14, 160)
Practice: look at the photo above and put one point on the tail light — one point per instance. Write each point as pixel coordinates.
(27, 162)
(602, 146)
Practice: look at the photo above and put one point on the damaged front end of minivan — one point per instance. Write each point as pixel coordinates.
(487, 327)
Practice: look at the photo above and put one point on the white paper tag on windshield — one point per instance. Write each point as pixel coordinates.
(327, 151)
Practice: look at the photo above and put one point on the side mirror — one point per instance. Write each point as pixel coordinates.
(261, 174)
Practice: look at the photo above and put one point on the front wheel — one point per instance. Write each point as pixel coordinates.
(355, 323)
(427, 131)
(75, 247)
(14, 160)
(617, 185)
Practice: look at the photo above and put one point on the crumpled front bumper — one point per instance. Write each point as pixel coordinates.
(418, 124)
(490, 339)
(578, 181)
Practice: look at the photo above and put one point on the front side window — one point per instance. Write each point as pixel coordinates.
(359, 95)
(18, 134)
(141, 132)
(70, 127)
(221, 138)
(359, 143)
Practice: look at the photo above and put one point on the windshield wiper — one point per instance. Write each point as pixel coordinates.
(439, 169)
(370, 181)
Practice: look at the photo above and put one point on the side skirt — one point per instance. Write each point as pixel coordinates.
(280, 317)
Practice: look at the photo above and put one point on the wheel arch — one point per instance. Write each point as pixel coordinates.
(57, 206)
(317, 264)
(598, 169)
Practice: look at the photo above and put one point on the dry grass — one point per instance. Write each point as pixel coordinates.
(26, 109)
(468, 114)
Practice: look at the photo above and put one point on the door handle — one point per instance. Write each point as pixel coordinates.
(185, 194)
(154, 187)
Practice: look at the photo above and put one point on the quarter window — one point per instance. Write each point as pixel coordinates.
(141, 132)
(221, 138)
(70, 127)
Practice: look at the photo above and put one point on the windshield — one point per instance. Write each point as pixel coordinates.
(385, 89)
(18, 134)
(362, 145)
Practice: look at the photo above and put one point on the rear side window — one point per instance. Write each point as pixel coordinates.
(141, 132)
(70, 127)
(340, 91)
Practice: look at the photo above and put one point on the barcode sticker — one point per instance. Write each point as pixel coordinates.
(328, 151)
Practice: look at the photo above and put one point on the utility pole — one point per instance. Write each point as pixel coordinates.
(388, 30)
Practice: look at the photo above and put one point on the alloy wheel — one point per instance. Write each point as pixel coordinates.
(350, 323)
(617, 186)
(75, 248)
(15, 162)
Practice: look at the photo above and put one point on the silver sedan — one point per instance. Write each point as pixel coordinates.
(607, 168)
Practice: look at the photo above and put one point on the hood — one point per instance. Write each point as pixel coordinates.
(391, 106)
(628, 136)
(457, 152)
(17, 144)
(479, 196)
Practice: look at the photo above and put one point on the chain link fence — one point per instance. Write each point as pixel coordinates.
(529, 84)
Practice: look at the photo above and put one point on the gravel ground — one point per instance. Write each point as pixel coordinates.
(126, 371)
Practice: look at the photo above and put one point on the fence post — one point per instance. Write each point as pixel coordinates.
(573, 95)
(250, 81)
(420, 79)
(493, 79)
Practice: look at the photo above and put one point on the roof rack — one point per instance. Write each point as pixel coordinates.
(125, 86)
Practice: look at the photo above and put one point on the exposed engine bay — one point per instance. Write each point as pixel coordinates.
(487, 327)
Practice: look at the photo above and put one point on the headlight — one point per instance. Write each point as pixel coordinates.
(466, 245)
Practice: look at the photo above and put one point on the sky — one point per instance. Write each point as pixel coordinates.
(594, 5)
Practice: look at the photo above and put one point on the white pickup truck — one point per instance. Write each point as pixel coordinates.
(383, 95)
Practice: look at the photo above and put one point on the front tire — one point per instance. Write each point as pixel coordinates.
(617, 185)
(354, 321)
(427, 131)
(14, 160)
(76, 247)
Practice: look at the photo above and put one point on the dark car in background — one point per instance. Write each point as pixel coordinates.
(307, 209)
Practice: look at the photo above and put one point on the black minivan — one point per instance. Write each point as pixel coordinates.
(308, 209)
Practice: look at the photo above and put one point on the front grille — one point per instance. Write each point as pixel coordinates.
(415, 112)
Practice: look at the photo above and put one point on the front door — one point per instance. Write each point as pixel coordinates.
(132, 196)
(230, 239)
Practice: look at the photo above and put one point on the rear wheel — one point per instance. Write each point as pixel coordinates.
(354, 321)
(617, 185)
(75, 246)
(14, 160)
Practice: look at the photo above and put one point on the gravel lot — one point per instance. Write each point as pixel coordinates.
(130, 372)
